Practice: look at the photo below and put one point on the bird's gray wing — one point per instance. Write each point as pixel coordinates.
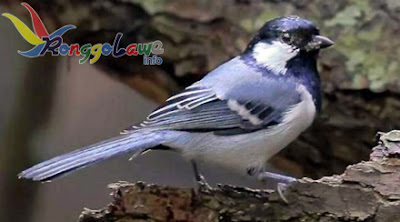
(246, 107)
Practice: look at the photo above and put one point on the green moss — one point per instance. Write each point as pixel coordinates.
(248, 25)
(360, 81)
(364, 7)
(393, 68)
(375, 66)
(152, 6)
(347, 41)
(346, 17)
(393, 71)
(252, 24)
(372, 34)
(376, 76)
(367, 66)
(355, 59)
(265, 16)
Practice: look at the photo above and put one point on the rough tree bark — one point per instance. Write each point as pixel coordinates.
(368, 191)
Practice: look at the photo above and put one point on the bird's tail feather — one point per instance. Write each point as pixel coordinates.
(136, 142)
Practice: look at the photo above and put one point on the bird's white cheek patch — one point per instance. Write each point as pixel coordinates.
(274, 56)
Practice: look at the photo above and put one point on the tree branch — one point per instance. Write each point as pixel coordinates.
(366, 191)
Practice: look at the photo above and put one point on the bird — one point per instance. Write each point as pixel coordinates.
(238, 115)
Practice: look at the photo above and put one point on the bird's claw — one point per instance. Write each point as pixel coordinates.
(202, 183)
(281, 188)
(283, 182)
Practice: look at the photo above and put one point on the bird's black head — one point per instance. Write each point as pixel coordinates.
(299, 33)
(281, 40)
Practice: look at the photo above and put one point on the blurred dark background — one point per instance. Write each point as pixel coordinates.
(51, 105)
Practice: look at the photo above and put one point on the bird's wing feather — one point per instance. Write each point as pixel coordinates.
(247, 106)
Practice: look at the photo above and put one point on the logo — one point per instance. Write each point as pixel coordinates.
(53, 43)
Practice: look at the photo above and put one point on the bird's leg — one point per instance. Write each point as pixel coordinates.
(282, 180)
(263, 176)
(201, 181)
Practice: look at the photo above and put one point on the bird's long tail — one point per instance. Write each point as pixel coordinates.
(135, 142)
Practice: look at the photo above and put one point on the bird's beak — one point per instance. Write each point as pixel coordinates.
(318, 42)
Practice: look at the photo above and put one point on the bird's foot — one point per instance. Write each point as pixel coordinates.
(283, 182)
(202, 184)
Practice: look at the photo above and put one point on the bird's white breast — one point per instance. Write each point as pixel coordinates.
(244, 151)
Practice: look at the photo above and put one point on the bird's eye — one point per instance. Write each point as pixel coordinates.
(286, 37)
